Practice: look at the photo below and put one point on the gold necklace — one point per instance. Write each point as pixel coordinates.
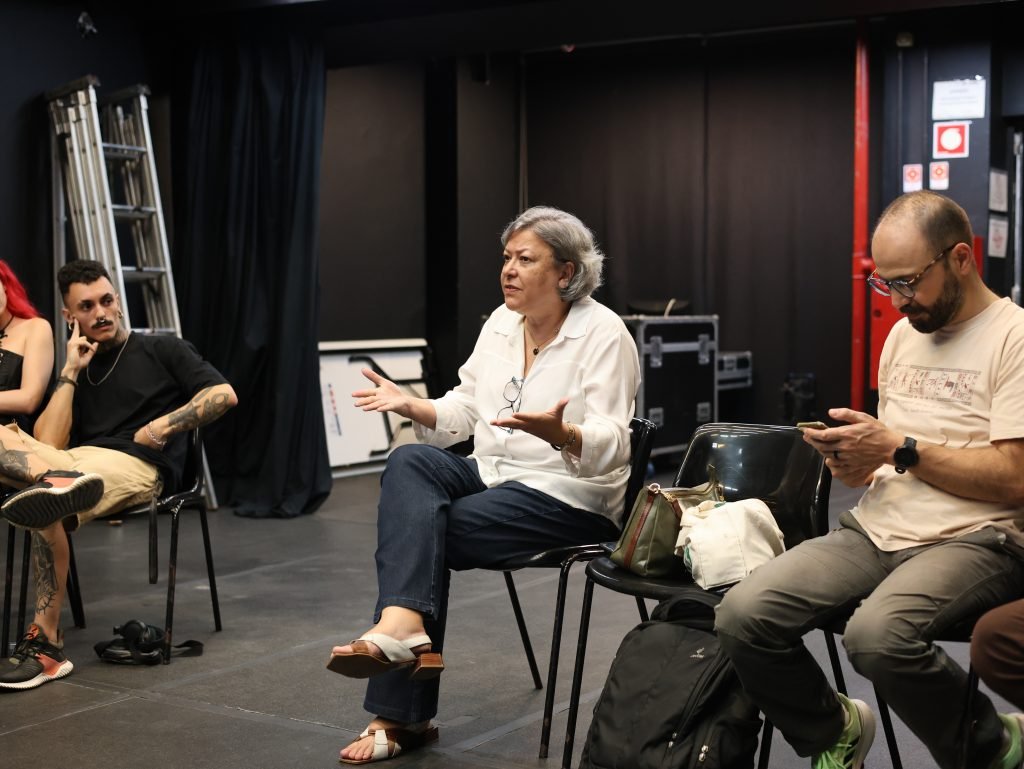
(537, 347)
(109, 370)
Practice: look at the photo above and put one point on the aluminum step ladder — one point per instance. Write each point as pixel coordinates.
(105, 186)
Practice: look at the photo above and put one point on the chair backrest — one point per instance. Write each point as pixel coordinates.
(768, 462)
(641, 441)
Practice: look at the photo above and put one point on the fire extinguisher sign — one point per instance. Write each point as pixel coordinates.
(951, 139)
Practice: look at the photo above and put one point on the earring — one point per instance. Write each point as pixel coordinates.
(71, 327)
(120, 315)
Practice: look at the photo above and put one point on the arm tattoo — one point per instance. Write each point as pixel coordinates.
(45, 571)
(201, 410)
(14, 464)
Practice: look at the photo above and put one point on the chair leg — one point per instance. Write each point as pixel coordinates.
(766, 745)
(209, 567)
(5, 635)
(172, 572)
(523, 632)
(968, 723)
(26, 559)
(833, 656)
(890, 733)
(556, 645)
(577, 675)
(74, 588)
(641, 606)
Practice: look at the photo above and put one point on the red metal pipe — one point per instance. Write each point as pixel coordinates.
(861, 263)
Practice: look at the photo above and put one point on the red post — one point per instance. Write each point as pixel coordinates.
(861, 263)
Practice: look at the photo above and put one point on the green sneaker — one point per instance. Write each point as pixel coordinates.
(854, 742)
(1014, 755)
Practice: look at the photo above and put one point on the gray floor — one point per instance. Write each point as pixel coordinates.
(259, 697)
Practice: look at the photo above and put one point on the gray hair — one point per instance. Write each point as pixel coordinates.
(570, 240)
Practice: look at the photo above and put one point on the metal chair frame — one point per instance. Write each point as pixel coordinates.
(563, 558)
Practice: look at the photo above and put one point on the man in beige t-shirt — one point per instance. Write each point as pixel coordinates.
(935, 540)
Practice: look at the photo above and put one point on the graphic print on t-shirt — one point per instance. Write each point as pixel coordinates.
(953, 385)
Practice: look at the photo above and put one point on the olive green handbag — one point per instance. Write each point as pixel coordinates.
(647, 544)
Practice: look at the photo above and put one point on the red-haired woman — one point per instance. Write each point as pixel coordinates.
(26, 352)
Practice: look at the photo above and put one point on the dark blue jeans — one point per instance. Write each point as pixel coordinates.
(435, 514)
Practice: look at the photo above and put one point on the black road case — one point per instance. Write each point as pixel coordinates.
(679, 386)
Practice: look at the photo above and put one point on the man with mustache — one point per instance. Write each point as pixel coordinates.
(113, 435)
(936, 539)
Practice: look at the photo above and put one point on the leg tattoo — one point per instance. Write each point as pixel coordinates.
(45, 571)
(14, 464)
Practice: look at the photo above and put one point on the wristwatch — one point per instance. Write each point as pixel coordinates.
(906, 455)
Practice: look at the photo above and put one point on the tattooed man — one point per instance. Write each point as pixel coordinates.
(112, 436)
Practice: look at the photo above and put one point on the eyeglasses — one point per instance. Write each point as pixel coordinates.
(513, 393)
(904, 288)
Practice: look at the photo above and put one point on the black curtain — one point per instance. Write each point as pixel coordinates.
(247, 136)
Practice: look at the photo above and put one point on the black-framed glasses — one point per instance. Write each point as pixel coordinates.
(905, 287)
(513, 393)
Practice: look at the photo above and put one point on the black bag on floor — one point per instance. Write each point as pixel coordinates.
(138, 643)
(672, 699)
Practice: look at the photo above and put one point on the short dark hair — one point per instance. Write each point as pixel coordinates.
(80, 271)
(940, 220)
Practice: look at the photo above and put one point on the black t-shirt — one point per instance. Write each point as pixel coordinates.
(155, 375)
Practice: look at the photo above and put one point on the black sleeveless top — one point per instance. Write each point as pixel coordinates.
(10, 379)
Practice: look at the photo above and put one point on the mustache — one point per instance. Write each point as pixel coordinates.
(102, 324)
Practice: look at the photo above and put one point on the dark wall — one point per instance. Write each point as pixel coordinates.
(718, 173)
(371, 214)
(42, 50)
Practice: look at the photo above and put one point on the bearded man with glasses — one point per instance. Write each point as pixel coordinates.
(547, 396)
(937, 537)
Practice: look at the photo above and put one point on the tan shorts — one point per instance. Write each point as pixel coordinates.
(127, 480)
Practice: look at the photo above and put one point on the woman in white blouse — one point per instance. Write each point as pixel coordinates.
(547, 396)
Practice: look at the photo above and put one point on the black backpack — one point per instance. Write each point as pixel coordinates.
(672, 699)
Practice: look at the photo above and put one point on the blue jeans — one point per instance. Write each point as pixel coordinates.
(435, 514)
(907, 599)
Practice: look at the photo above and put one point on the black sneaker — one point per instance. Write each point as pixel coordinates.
(58, 494)
(35, 661)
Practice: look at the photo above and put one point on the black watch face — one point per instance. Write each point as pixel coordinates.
(905, 456)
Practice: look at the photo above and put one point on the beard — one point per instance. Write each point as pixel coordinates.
(928, 320)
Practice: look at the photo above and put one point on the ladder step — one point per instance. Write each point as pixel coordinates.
(113, 151)
(122, 211)
(141, 274)
(167, 331)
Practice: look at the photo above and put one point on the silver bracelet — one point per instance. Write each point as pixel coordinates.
(152, 436)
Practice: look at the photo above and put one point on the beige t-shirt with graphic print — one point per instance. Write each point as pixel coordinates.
(961, 387)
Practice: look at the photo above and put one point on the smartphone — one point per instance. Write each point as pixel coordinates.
(813, 425)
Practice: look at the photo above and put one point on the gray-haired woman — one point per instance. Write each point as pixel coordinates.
(547, 396)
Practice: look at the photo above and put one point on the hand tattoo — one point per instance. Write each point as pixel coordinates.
(45, 572)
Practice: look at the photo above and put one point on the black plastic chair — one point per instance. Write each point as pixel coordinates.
(563, 558)
(767, 462)
(191, 497)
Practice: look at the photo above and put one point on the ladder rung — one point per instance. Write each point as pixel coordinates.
(153, 331)
(113, 151)
(141, 274)
(122, 211)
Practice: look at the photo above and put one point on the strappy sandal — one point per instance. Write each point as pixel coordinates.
(390, 654)
(388, 743)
